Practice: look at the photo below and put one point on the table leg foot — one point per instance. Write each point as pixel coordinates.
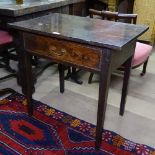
(30, 107)
(121, 112)
(98, 144)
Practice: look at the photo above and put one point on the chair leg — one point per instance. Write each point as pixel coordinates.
(127, 71)
(144, 68)
(5, 62)
(90, 78)
(6, 91)
(72, 74)
(8, 76)
(68, 73)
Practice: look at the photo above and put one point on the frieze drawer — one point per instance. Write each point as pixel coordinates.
(64, 51)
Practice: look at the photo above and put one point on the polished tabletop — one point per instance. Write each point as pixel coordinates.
(10, 8)
(114, 35)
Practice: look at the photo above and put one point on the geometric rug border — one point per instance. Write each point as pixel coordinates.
(110, 140)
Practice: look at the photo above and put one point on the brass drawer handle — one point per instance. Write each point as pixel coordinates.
(63, 50)
(84, 57)
(53, 51)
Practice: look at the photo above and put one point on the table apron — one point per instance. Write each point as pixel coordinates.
(62, 51)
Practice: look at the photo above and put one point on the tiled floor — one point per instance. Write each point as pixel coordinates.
(138, 122)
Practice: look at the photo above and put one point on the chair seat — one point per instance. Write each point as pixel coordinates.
(5, 37)
(142, 52)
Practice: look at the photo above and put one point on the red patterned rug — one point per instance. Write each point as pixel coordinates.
(52, 132)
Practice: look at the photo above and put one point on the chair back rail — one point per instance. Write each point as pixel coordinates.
(142, 49)
(109, 15)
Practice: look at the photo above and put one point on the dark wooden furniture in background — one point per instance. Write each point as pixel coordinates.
(122, 6)
(90, 44)
(125, 6)
(6, 43)
(10, 12)
(95, 4)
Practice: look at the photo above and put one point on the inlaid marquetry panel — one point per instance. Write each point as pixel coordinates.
(61, 50)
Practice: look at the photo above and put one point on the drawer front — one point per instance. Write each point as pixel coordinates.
(63, 51)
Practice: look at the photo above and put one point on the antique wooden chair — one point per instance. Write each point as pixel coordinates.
(6, 44)
(6, 54)
(142, 50)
